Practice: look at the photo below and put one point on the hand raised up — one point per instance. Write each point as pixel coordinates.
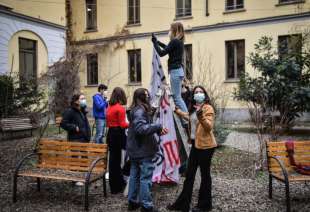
(154, 39)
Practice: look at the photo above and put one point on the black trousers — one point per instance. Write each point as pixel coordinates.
(197, 158)
(116, 138)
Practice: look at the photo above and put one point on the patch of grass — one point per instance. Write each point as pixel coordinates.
(261, 176)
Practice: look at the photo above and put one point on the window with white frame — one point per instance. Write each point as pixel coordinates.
(234, 4)
(27, 59)
(133, 12)
(235, 59)
(134, 66)
(91, 14)
(290, 45)
(92, 69)
(188, 65)
(183, 8)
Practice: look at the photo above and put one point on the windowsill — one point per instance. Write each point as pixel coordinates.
(91, 86)
(234, 11)
(134, 84)
(90, 30)
(183, 17)
(133, 25)
(232, 81)
(289, 3)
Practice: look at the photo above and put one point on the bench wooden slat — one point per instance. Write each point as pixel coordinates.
(17, 125)
(297, 158)
(69, 167)
(65, 143)
(70, 161)
(51, 176)
(293, 178)
(16, 129)
(279, 170)
(282, 154)
(69, 153)
(77, 148)
(15, 121)
(63, 158)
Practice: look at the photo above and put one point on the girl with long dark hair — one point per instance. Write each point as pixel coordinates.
(201, 119)
(116, 138)
(141, 148)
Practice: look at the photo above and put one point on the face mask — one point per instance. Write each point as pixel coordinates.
(199, 97)
(83, 103)
(105, 93)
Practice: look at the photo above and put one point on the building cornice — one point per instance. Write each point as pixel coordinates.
(198, 28)
(29, 18)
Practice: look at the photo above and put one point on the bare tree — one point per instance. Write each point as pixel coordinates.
(212, 81)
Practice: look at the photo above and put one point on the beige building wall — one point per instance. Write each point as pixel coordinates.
(14, 52)
(113, 65)
(47, 10)
(157, 15)
(206, 33)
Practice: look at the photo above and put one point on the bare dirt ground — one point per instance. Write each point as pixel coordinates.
(235, 187)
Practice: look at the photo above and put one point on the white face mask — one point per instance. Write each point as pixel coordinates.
(199, 97)
(83, 103)
(105, 93)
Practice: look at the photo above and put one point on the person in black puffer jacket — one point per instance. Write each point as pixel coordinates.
(141, 148)
(74, 120)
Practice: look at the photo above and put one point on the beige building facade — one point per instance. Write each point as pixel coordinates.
(220, 34)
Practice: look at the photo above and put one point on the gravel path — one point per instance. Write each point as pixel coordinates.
(235, 187)
(249, 142)
(243, 141)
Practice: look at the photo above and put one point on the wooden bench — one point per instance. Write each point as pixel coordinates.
(279, 166)
(16, 124)
(68, 161)
(58, 120)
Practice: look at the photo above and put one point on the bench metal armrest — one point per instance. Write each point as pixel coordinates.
(22, 161)
(93, 165)
(282, 166)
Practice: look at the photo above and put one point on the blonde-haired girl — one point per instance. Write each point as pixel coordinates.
(175, 50)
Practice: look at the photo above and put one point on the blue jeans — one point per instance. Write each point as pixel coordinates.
(176, 78)
(140, 182)
(100, 127)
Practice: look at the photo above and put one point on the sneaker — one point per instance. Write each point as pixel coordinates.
(133, 206)
(79, 184)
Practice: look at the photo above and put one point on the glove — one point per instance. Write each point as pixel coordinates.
(154, 39)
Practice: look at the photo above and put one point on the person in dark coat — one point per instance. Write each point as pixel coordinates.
(74, 120)
(141, 148)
